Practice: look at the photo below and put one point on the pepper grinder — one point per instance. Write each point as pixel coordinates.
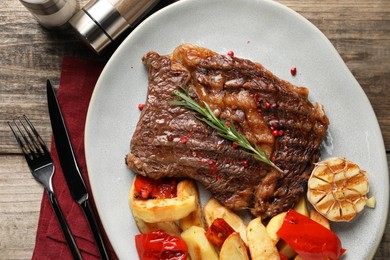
(51, 14)
(100, 22)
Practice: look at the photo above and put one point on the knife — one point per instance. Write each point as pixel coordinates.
(70, 167)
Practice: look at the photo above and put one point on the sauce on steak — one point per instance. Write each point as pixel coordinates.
(169, 141)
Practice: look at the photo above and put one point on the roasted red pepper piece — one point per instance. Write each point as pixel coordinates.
(308, 238)
(218, 232)
(147, 188)
(158, 245)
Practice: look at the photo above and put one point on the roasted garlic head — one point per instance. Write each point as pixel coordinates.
(338, 188)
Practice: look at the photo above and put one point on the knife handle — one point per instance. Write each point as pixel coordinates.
(86, 206)
(64, 226)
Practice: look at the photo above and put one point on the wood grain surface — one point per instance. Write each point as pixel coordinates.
(29, 54)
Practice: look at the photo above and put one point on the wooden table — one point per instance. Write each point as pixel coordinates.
(29, 54)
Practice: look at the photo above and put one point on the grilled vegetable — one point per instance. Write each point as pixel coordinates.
(152, 210)
(213, 209)
(147, 188)
(308, 238)
(218, 232)
(159, 245)
(337, 188)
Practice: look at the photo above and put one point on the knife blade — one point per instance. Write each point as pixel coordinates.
(70, 167)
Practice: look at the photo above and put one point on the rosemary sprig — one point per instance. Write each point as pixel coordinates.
(227, 131)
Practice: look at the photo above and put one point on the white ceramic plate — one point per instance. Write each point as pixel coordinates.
(263, 31)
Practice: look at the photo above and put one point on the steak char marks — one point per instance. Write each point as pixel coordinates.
(169, 141)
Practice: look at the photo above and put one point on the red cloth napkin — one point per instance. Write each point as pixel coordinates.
(78, 78)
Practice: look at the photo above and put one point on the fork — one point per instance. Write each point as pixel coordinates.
(42, 168)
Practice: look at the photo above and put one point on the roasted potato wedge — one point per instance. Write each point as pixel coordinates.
(199, 248)
(213, 209)
(301, 206)
(233, 248)
(195, 218)
(259, 242)
(317, 217)
(274, 225)
(286, 249)
(169, 227)
(161, 210)
(282, 246)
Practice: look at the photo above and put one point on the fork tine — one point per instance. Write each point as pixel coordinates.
(28, 138)
(40, 140)
(38, 136)
(20, 143)
(32, 150)
(23, 146)
(35, 138)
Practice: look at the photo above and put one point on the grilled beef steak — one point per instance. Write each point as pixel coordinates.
(169, 141)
